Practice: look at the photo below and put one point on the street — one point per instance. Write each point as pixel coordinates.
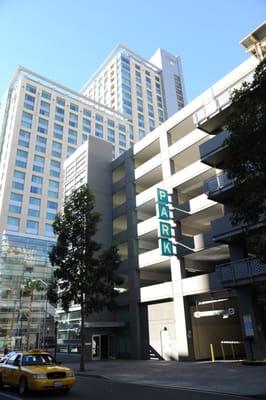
(102, 389)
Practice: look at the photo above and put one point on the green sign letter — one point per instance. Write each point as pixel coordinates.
(162, 196)
(166, 247)
(165, 230)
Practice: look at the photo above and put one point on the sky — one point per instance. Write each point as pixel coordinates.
(66, 40)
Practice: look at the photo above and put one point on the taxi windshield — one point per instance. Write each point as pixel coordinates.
(37, 359)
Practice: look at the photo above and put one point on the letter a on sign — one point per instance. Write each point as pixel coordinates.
(162, 196)
(163, 211)
(166, 247)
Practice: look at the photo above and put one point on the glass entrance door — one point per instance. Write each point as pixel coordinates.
(96, 347)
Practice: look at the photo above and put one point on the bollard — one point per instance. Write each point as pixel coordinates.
(222, 348)
(212, 352)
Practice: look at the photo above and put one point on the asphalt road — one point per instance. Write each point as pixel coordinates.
(102, 389)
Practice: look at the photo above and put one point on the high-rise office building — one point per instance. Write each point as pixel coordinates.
(146, 92)
(42, 123)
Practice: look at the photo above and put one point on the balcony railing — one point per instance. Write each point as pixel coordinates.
(239, 272)
(217, 183)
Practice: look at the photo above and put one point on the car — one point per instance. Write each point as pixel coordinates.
(35, 370)
(6, 356)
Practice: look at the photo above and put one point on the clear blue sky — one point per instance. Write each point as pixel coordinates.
(66, 40)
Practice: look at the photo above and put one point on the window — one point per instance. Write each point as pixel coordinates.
(53, 188)
(98, 130)
(49, 230)
(38, 164)
(111, 135)
(152, 124)
(148, 82)
(159, 102)
(110, 123)
(55, 168)
(29, 102)
(43, 125)
(72, 136)
(18, 180)
(15, 203)
(87, 113)
(139, 105)
(70, 150)
(122, 128)
(34, 207)
(56, 149)
(60, 101)
(138, 76)
(150, 111)
(74, 107)
(36, 184)
(122, 140)
(73, 120)
(30, 88)
(40, 144)
(21, 158)
(84, 138)
(51, 210)
(24, 138)
(158, 88)
(149, 96)
(141, 134)
(139, 90)
(13, 223)
(32, 226)
(147, 73)
(141, 120)
(160, 115)
(26, 121)
(45, 108)
(99, 118)
(86, 125)
(58, 131)
(59, 114)
(46, 95)
(131, 133)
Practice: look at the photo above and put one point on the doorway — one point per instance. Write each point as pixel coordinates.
(102, 347)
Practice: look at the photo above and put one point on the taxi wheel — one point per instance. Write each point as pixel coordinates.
(23, 386)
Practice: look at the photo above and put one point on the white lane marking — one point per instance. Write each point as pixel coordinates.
(9, 396)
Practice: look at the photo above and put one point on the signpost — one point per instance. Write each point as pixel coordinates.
(164, 217)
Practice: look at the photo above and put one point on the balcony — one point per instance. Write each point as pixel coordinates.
(241, 272)
(212, 151)
(219, 187)
(225, 232)
(192, 206)
(161, 291)
(191, 244)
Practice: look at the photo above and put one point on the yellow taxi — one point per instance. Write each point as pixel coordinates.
(35, 370)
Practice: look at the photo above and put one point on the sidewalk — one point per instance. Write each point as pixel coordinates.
(223, 377)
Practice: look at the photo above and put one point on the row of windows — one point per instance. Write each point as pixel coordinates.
(32, 227)
(18, 183)
(15, 206)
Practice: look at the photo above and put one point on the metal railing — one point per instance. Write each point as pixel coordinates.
(218, 182)
(242, 270)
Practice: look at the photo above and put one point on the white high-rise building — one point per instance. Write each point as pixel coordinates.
(146, 92)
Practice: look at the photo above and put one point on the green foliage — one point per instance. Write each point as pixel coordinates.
(82, 276)
(246, 148)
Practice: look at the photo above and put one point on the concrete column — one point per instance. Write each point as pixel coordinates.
(182, 314)
(251, 324)
(133, 271)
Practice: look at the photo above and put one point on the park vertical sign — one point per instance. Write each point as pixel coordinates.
(164, 220)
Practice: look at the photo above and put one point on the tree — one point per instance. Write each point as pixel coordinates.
(245, 158)
(28, 288)
(83, 277)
